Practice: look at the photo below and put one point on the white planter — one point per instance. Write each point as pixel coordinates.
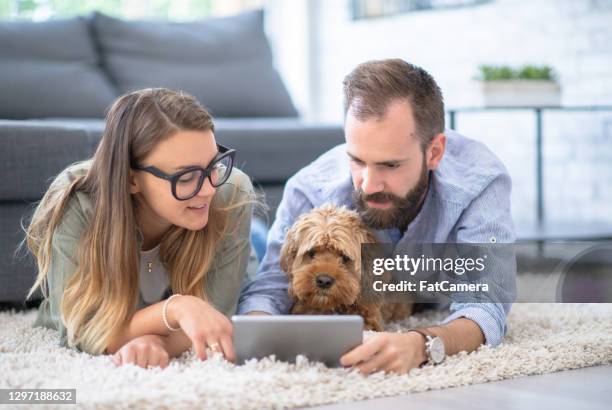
(521, 93)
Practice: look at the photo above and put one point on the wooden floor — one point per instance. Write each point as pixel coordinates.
(582, 389)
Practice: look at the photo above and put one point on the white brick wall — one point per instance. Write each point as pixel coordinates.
(573, 36)
(577, 161)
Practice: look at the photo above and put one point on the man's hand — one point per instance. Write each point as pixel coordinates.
(388, 352)
(144, 351)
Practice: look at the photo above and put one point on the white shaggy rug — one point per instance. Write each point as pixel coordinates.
(542, 338)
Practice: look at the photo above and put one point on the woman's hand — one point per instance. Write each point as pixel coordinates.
(143, 351)
(203, 325)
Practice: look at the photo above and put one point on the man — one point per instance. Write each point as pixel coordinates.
(410, 180)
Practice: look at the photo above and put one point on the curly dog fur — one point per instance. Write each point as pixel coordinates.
(322, 258)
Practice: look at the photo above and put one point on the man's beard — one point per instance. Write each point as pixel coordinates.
(403, 211)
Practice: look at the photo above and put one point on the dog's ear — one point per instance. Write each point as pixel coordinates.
(290, 290)
(287, 256)
(362, 235)
(288, 251)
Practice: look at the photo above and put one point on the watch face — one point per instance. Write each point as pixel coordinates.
(437, 350)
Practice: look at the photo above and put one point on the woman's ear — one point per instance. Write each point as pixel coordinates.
(134, 183)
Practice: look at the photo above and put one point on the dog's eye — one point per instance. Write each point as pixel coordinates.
(345, 259)
(311, 253)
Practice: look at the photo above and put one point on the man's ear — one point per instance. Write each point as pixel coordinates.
(435, 151)
(134, 183)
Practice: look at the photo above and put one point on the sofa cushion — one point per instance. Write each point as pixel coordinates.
(226, 63)
(31, 155)
(51, 69)
(17, 266)
(269, 150)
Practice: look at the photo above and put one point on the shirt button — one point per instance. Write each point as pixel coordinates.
(493, 239)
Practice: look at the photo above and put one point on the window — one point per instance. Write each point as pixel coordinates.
(176, 10)
(363, 9)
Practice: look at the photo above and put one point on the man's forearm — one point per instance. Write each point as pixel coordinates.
(459, 335)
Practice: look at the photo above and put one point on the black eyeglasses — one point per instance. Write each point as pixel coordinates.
(188, 182)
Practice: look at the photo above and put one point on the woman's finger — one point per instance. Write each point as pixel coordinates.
(215, 346)
(116, 358)
(228, 348)
(154, 359)
(164, 360)
(142, 356)
(199, 347)
(129, 357)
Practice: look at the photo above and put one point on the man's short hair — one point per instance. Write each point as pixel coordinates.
(372, 86)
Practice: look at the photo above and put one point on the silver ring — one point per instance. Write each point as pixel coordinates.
(214, 346)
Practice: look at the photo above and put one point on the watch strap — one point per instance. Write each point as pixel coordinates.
(426, 334)
(427, 337)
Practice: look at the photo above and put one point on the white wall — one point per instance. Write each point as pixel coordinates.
(573, 36)
(288, 26)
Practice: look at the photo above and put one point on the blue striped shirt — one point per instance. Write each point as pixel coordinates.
(468, 201)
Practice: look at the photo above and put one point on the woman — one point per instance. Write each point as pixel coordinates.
(158, 210)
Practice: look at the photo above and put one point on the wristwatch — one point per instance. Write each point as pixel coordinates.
(434, 346)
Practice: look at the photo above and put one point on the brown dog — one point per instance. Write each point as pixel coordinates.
(322, 258)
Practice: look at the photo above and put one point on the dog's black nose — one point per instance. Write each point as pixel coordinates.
(324, 281)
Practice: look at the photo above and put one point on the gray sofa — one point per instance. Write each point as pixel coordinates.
(57, 79)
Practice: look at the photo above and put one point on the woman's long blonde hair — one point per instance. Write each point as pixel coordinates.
(101, 296)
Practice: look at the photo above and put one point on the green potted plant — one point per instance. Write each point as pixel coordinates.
(526, 86)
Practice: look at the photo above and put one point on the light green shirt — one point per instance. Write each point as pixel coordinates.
(223, 282)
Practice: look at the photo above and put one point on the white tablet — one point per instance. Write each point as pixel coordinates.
(318, 337)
